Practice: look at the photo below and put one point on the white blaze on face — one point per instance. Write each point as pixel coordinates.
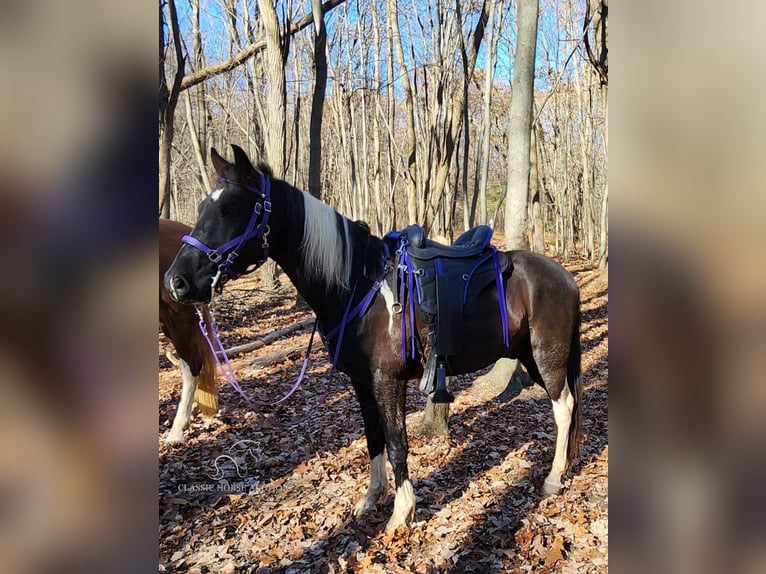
(215, 195)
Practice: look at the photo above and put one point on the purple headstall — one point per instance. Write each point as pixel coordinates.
(257, 227)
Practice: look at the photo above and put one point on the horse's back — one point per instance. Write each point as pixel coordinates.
(543, 276)
(546, 297)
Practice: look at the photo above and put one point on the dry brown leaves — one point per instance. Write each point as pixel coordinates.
(249, 493)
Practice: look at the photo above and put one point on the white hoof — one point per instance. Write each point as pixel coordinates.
(393, 524)
(404, 507)
(174, 437)
(551, 487)
(364, 506)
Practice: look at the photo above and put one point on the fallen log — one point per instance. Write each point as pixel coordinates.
(267, 340)
(276, 357)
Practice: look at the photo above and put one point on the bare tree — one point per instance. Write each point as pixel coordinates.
(275, 57)
(168, 101)
(317, 100)
(482, 172)
(520, 124)
(412, 169)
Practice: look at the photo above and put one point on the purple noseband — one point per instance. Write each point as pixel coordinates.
(257, 227)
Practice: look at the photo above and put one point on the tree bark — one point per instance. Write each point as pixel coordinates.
(536, 194)
(520, 125)
(274, 61)
(486, 123)
(412, 173)
(435, 418)
(168, 102)
(317, 100)
(458, 103)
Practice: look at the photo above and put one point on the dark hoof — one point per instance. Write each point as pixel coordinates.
(442, 396)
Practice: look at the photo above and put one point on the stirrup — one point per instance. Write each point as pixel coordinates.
(429, 375)
(442, 395)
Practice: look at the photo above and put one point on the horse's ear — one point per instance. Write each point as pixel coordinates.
(218, 162)
(242, 161)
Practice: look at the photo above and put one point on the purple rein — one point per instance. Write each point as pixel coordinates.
(231, 249)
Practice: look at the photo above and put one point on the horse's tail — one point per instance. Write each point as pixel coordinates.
(574, 380)
(206, 394)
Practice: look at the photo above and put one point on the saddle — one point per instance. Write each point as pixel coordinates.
(447, 281)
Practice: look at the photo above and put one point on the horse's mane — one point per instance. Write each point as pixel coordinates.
(335, 249)
(326, 249)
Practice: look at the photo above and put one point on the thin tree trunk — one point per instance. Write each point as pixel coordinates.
(538, 223)
(380, 221)
(317, 100)
(520, 126)
(603, 256)
(412, 173)
(586, 213)
(455, 118)
(168, 102)
(274, 60)
(198, 155)
(486, 123)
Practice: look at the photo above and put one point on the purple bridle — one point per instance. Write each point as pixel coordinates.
(257, 227)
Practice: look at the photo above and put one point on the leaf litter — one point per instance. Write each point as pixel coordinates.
(283, 502)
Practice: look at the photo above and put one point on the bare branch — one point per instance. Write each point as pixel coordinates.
(249, 51)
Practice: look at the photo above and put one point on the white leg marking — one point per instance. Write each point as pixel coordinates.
(404, 507)
(388, 296)
(183, 413)
(562, 413)
(378, 485)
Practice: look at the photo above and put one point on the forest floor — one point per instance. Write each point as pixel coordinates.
(271, 489)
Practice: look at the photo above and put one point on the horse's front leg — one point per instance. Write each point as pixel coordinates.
(183, 413)
(376, 443)
(390, 394)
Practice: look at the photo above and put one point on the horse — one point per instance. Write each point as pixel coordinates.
(333, 262)
(179, 322)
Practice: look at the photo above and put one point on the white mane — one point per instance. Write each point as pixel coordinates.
(324, 255)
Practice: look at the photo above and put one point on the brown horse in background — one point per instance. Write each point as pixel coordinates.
(179, 322)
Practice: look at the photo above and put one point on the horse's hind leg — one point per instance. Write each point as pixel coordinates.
(183, 413)
(376, 442)
(563, 405)
(390, 394)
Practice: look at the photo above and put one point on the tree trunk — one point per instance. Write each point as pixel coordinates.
(274, 60)
(412, 174)
(168, 101)
(538, 222)
(317, 100)
(603, 256)
(520, 125)
(486, 122)
(455, 117)
(435, 418)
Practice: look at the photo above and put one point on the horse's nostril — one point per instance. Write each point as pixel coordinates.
(180, 285)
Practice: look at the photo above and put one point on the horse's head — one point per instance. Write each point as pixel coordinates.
(231, 234)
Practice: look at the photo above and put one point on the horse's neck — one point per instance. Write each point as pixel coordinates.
(326, 302)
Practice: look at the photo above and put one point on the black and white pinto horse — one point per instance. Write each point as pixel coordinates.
(251, 216)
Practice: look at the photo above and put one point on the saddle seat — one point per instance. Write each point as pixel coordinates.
(471, 243)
